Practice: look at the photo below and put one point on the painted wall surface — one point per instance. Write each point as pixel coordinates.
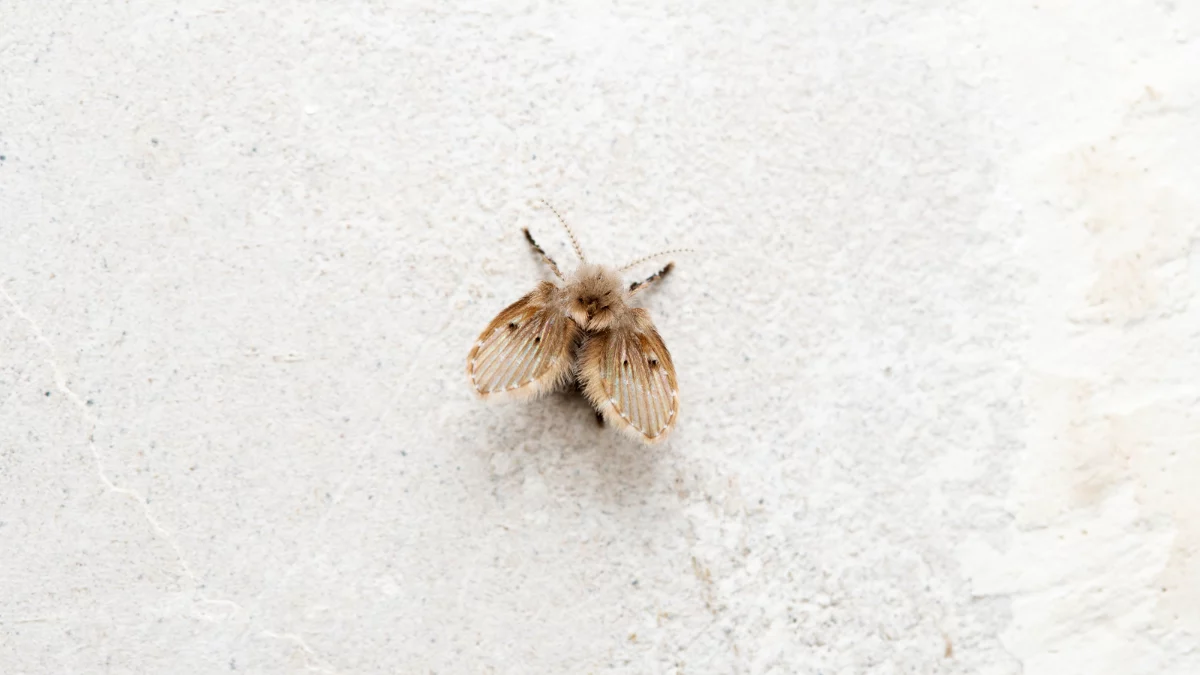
(938, 342)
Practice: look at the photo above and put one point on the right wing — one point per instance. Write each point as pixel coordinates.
(527, 350)
(628, 375)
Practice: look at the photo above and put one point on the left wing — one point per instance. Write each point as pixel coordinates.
(526, 350)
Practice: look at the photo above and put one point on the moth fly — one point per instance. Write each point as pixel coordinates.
(583, 329)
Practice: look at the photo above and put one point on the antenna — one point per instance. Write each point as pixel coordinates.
(655, 255)
(574, 241)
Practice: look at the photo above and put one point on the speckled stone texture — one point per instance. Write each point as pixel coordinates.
(937, 344)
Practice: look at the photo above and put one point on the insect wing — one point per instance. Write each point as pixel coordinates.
(526, 350)
(628, 375)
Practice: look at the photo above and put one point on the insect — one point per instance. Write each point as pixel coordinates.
(583, 330)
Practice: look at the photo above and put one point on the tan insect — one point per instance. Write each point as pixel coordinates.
(587, 331)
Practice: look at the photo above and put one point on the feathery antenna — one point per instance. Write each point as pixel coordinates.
(652, 256)
(571, 234)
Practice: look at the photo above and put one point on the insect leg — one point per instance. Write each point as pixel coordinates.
(637, 286)
(548, 259)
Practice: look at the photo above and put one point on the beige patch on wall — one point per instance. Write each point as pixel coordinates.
(1103, 569)
(1140, 218)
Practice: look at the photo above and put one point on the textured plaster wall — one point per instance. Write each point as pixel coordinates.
(937, 345)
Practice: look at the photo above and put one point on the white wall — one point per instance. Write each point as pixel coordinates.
(937, 344)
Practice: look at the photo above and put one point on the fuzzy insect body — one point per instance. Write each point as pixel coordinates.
(584, 329)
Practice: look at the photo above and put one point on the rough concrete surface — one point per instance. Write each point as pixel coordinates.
(937, 342)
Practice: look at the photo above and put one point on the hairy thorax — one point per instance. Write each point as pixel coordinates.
(595, 297)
